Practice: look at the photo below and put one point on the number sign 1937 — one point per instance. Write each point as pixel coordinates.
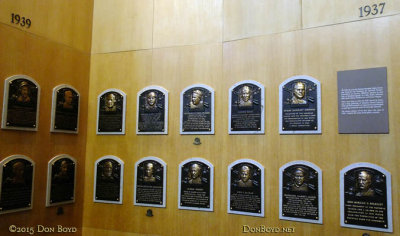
(374, 9)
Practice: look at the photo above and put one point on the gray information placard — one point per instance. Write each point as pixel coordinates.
(362, 101)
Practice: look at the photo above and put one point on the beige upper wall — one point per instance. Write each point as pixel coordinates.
(122, 25)
(67, 22)
(319, 13)
(248, 18)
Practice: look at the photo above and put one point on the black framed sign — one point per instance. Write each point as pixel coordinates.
(108, 179)
(300, 105)
(61, 180)
(366, 197)
(196, 185)
(21, 103)
(197, 110)
(17, 178)
(152, 111)
(65, 109)
(246, 108)
(246, 188)
(150, 182)
(300, 192)
(111, 109)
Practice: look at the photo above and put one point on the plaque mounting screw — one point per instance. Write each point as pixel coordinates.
(149, 213)
(197, 141)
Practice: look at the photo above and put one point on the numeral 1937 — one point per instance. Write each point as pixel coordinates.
(22, 21)
(373, 10)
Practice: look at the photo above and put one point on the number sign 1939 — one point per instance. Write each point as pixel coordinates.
(22, 21)
(374, 9)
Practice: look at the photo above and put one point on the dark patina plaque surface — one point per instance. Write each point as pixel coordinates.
(67, 108)
(151, 115)
(108, 180)
(300, 193)
(197, 110)
(16, 186)
(22, 104)
(246, 188)
(299, 111)
(150, 183)
(246, 110)
(365, 198)
(62, 181)
(195, 185)
(111, 112)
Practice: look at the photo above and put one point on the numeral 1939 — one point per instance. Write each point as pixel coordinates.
(22, 21)
(373, 9)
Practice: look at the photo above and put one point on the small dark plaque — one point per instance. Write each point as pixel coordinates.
(21, 103)
(246, 110)
(150, 182)
(196, 185)
(111, 113)
(301, 192)
(152, 111)
(108, 181)
(66, 110)
(246, 188)
(16, 185)
(366, 197)
(62, 186)
(300, 106)
(197, 111)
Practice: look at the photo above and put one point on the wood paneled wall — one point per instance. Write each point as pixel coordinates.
(178, 43)
(50, 64)
(54, 50)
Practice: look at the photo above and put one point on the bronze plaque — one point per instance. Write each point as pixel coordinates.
(22, 104)
(108, 181)
(246, 111)
(152, 110)
(62, 186)
(366, 197)
(300, 193)
(111, 114)
(246, 188)
(196, 185)
(16, 185)
(150, 183)
(300, 106)
(67, 109)
(197, 110)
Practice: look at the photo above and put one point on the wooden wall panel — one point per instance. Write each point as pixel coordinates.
(65, 21)
(122, 25)
(50, 64)
(318, 52)
(319, 13)
(187, 22)
(244, 18)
